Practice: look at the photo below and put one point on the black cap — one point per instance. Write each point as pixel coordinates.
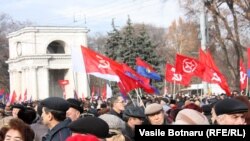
(55, 103)
(230, 106)
(134, 111)
(28, 115)
(19, 106)
(75, 104)
(90, 125)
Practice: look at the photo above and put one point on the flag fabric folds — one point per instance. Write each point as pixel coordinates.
(243, 76)
(13, 97)
(126, 83)
(99, 65)
(76, 59)
(2, 91)
(212, 73)
(143, 82)
(146, 70)
(188, 65)
(172, 76)
(248, 62)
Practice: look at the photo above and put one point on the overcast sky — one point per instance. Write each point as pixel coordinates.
(96, 15)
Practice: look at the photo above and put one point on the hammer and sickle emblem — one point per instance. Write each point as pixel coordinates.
(102, 63)
(216, 77)
(242, 77)
(189, 65)
(177, 77)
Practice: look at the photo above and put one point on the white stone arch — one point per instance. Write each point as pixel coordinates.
(31, 67)
(61, 41)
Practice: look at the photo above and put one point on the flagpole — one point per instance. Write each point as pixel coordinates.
(140, 98)
(174, 90)
(171, 87)
(165, 85)
(247, 88)
(131, 99)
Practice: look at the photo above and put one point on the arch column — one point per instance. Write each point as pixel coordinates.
(43, 82)
(33, 87)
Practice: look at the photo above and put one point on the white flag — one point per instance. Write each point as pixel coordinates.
(109, 91)
(77, 59)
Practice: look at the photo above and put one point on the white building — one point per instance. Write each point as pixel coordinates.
(40, 56)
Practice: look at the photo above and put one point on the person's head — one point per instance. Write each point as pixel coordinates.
(17, 130)
(191, 117)
(53, 111)
(155, 114)
(230, 112)
(118, 103)
(247, 102)
(75, 109)
(90, 125)
(115, 123)
(28, 115)
(193, 106)
(133, 115)
(16, 108)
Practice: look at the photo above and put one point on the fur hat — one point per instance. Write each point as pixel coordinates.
(55, 103)
(230, 106)
(153, 108)
(113, 121)
(90, 125)
(191, 117)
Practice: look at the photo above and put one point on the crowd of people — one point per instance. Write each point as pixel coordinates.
(57, 119)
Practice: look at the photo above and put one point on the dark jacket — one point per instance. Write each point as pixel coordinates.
(129, 132)
(59, 133)
(113, 112)
(39, 129)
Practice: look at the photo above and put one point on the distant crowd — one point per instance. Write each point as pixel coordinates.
(57, 119)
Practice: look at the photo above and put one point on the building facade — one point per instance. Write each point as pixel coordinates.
(39, 57)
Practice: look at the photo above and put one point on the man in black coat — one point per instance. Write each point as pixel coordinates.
(54, 117)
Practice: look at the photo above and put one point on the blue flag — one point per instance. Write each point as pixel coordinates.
(146, 73)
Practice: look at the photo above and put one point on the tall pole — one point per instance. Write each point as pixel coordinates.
(204, 36)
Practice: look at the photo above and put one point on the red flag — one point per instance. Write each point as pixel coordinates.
(104, 92)
(188, 65)
(25, 95)
(62, 83)
(243, 76)
(248, 62)
(141, 81)
(13, 98)
(99, 65)
(172, 76)
(133, 74)
(126, 83)
(2, 91)
(140, 62)
(20, 98)
(212, 73)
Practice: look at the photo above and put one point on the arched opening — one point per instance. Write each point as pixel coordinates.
(54, 76)
(56, 47)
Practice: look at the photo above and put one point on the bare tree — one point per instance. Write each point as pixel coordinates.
(229, 32)
(7, 25)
